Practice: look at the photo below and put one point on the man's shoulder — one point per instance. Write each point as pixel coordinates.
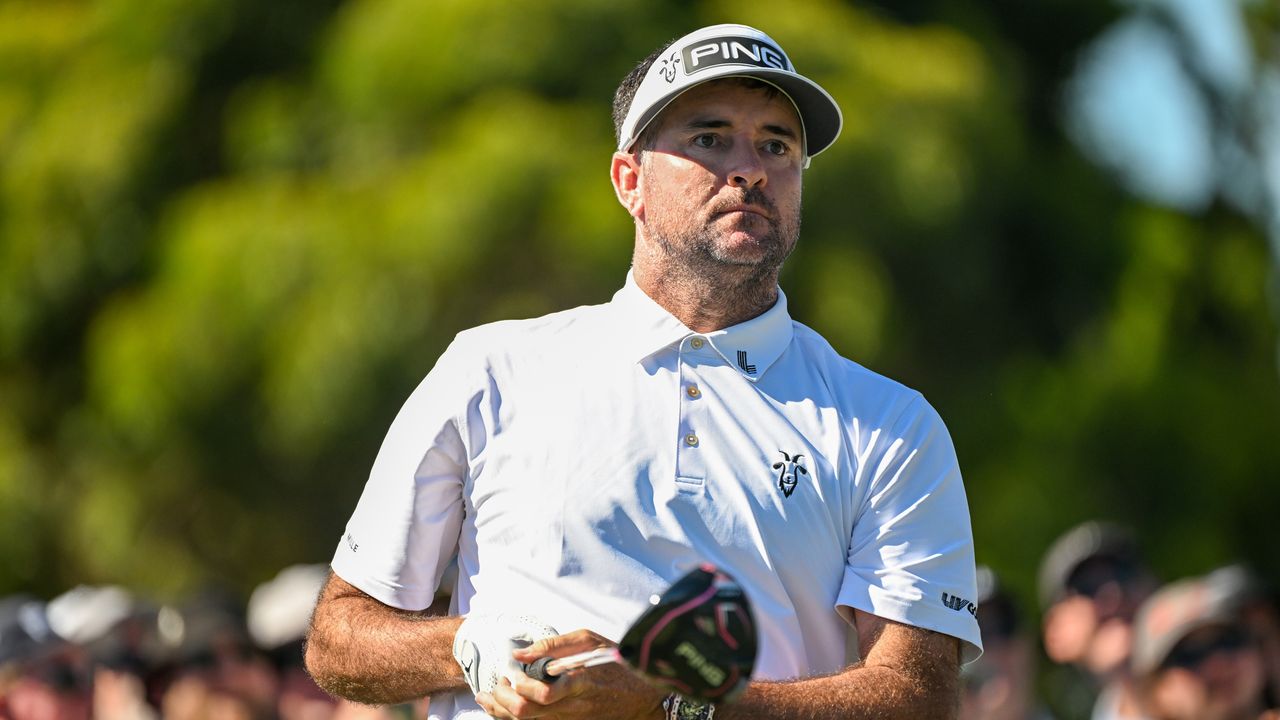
(842, 371)
(503, 336)
(863, 394)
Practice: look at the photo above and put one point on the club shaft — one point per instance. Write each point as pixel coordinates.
(591, 658)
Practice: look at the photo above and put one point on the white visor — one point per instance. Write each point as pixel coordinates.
(720, 51)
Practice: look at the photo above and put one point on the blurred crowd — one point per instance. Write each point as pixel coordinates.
(105, 653)
(1120, 644)
(1110, 642)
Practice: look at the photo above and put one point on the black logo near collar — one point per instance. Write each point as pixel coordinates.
(789, 471)
(742, 363)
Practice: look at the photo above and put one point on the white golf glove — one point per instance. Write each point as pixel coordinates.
(484, 643)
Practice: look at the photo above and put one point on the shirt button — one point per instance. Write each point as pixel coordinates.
(693, 391)
(691, 440)
(696, 343)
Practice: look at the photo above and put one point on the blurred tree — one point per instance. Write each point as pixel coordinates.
(234, 235)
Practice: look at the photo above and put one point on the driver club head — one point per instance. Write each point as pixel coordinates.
(698, 640)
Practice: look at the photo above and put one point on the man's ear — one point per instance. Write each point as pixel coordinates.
(625, 173)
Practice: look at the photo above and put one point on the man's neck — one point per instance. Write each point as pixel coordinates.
(706, 304)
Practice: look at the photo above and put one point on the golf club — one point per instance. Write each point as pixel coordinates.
(697, 639)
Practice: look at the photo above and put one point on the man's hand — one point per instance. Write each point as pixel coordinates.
(483, 645)
(609, 690)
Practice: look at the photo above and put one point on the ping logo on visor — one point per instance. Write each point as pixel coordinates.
(732, 50)
(729, 50)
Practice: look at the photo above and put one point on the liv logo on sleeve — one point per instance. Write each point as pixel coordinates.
(957, 603)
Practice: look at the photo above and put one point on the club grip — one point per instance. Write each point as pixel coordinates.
(538, 670)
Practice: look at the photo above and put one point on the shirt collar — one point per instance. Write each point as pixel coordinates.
(646, 327)
(754, 345)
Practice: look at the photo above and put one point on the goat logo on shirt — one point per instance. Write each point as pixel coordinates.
(789, 471)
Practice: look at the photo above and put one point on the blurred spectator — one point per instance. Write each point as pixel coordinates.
(109, 625)
(218, 673)
(1194, 658)
(42, 677)
(84, 615)
(1092, 580)
(24, 634)
(1000, 685)
(1258, 609)
(279, 611)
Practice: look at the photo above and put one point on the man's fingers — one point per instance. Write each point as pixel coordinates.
(541, 693)
(508, 702)
(485, 701)
(562, 646)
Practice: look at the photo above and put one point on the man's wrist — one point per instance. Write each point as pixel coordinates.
(678, 707)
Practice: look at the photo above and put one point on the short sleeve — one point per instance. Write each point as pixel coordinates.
(911, 556)
(404, 530)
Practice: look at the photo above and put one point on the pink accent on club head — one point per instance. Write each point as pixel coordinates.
(647, 642)
(729, 684)
(722, 624)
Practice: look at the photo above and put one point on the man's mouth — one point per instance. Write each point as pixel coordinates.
(746, 209)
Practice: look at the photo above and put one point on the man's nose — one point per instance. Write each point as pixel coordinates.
(746, 167)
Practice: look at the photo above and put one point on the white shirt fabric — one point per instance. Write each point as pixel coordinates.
(578, 463)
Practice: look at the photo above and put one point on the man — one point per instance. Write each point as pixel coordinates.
(217, 671)
(577, 464)
(1092, 581)
(1193, 656)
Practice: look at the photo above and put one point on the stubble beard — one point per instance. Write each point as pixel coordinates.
(698, 257)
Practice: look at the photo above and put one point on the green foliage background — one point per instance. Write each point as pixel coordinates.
(235, 234)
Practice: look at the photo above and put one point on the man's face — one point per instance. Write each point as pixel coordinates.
(1092, 625)
(720, 186)
(1215, 673)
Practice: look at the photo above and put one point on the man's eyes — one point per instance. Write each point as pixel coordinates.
(776, 147)
(772, 147)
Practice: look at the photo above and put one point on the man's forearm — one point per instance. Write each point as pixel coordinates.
(859, 692)
(908, 673)
(365, 651)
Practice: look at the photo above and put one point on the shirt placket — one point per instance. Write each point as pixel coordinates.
(692, 438)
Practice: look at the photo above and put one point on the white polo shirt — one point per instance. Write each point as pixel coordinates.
(576, 464)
